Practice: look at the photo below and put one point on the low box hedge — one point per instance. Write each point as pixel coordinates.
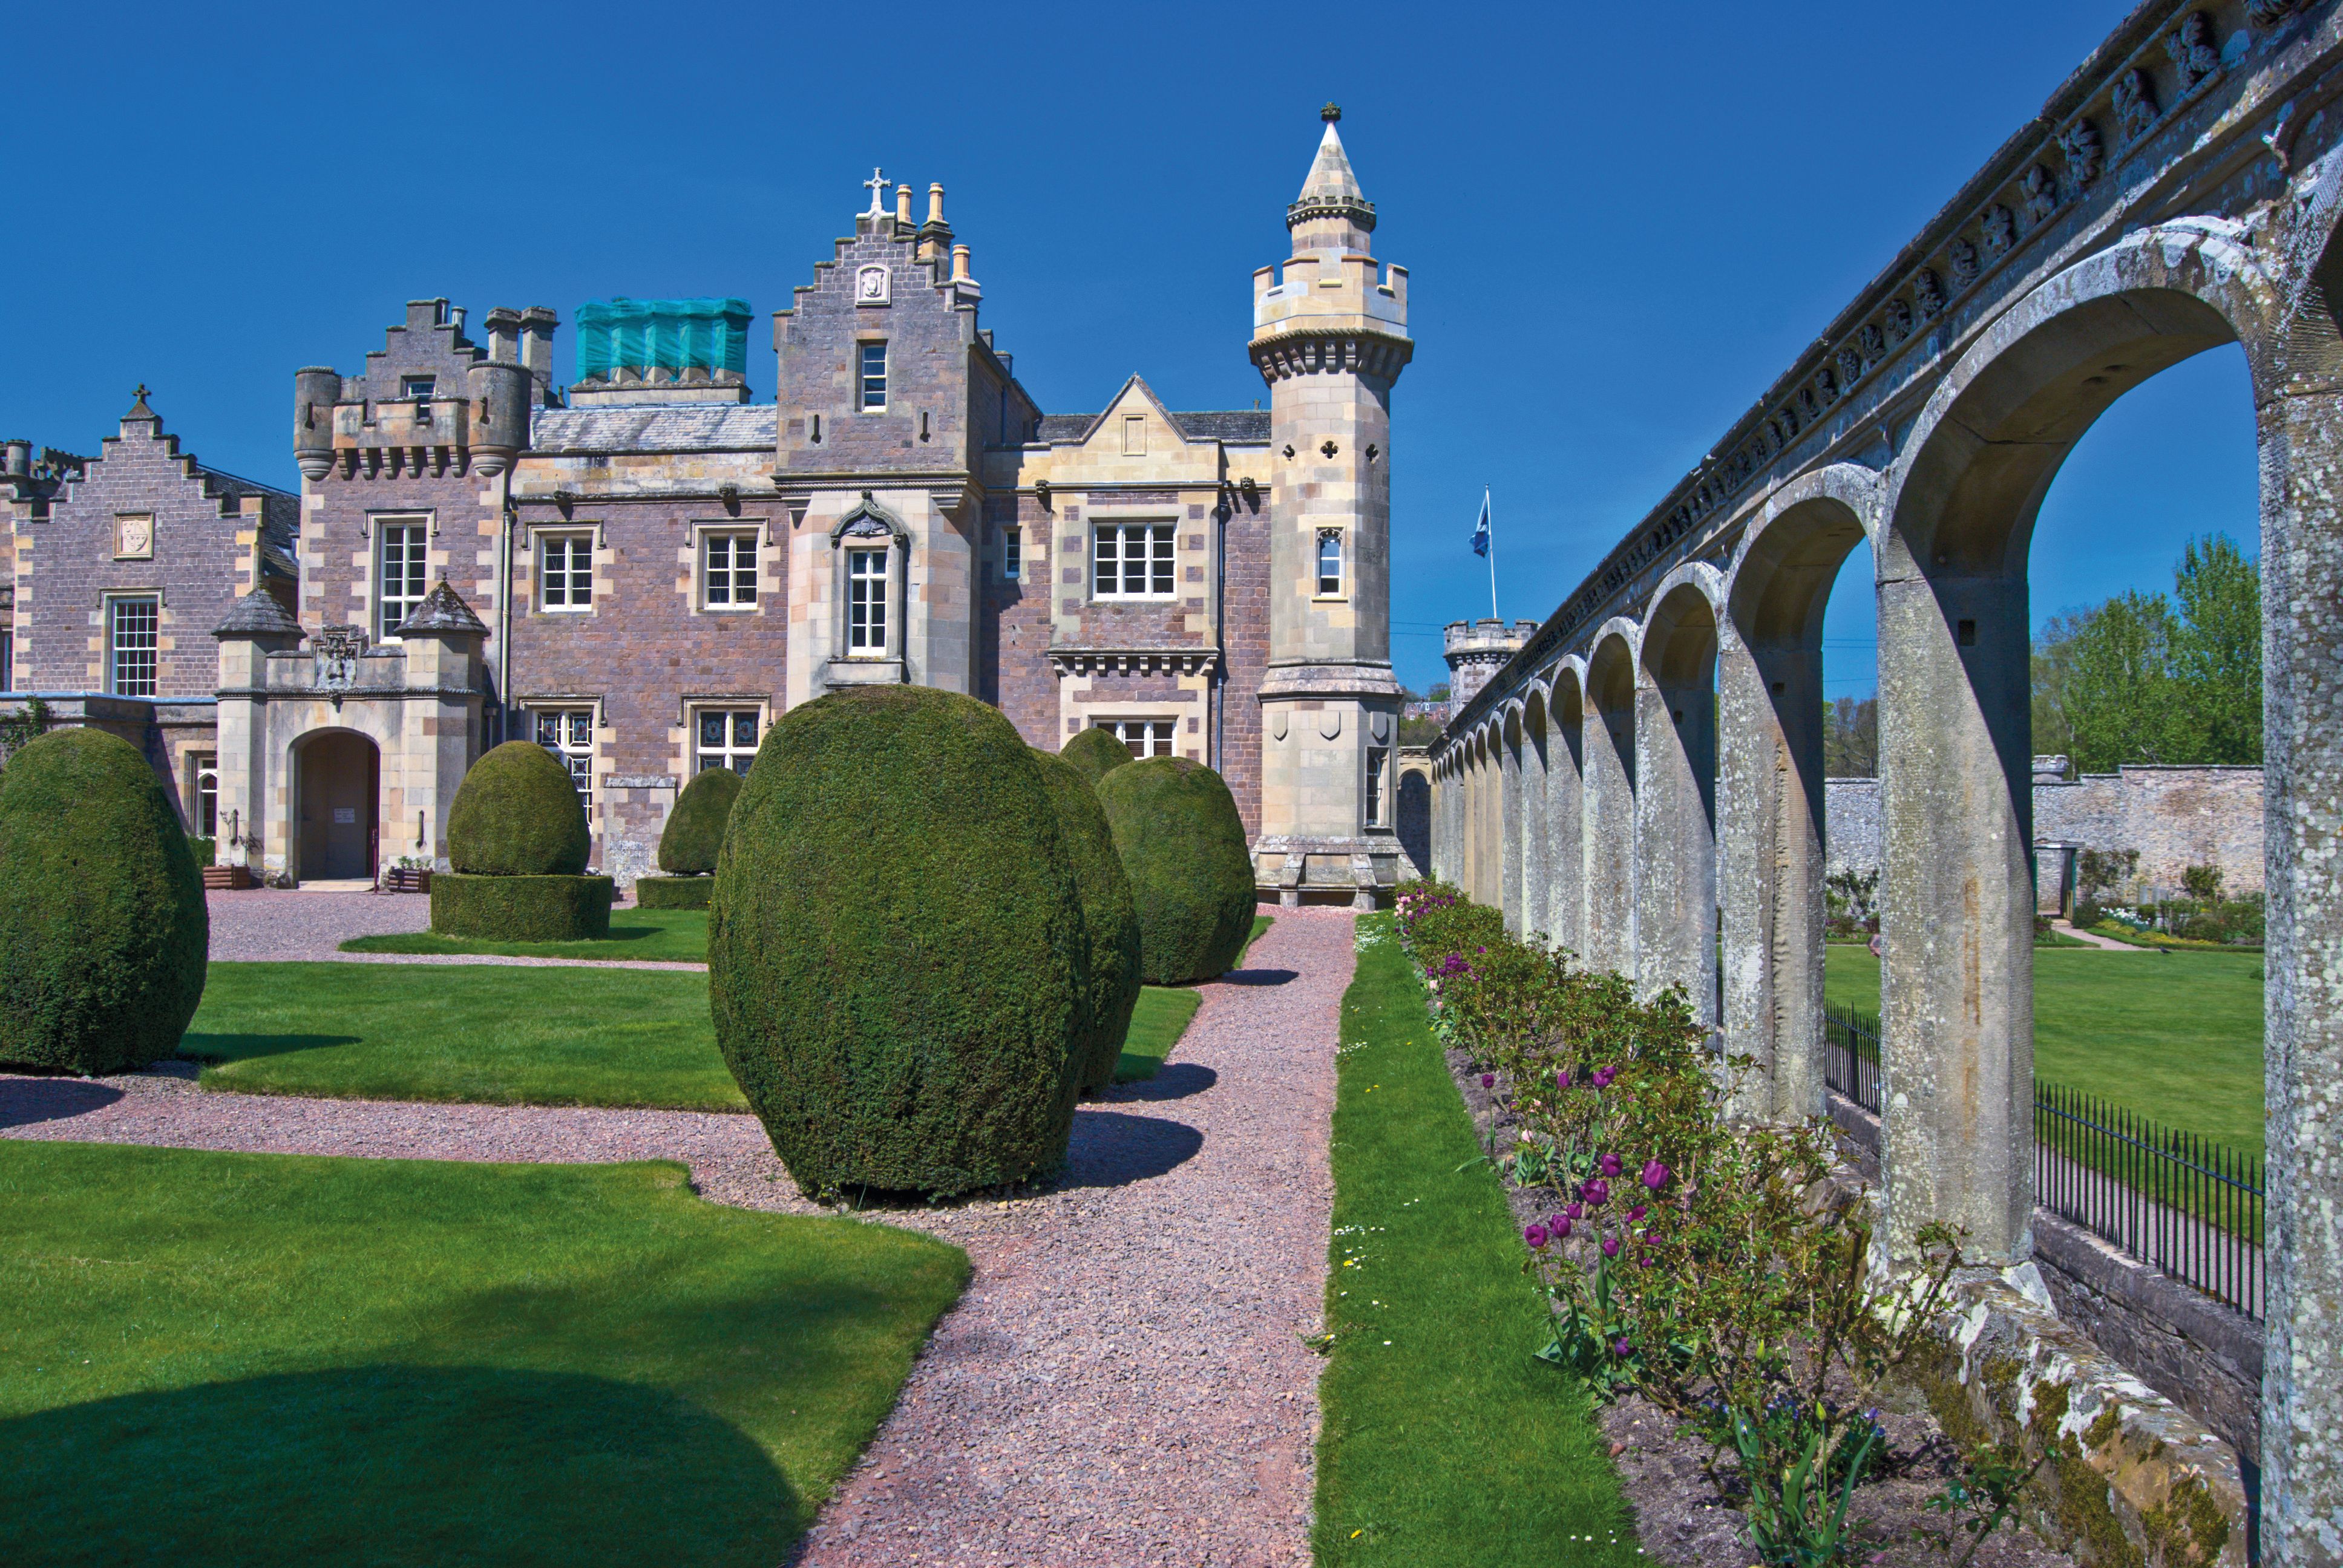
(521, 909)
(673, 892)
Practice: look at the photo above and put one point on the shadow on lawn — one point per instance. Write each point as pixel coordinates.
(226, 1048)
(25, 1100)
(393, 1466)
(1113, 1149)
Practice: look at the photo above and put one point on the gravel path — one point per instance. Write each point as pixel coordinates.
(267, 924)
(1124, 1383)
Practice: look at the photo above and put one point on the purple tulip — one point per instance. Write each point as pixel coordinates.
(1597, 1192)
(1604, 1075)
(1561, 1223)
(1535, 1235)
(1577, 1210)
(1622, 1348)
(1610, 1163)
(1488, 1080)
(1610, 1246)
(1648, 1259)
(1635, 1213)
(1655, 1175)
(1562, 1079)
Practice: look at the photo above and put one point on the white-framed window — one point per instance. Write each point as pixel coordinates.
(418, 388)
(724, 737)
(565, 571)
(866, 603)
(1134, 560)
(206, 811)
(728, 571)
(568, 734)
(873, 376)
(1144, 737)
(133, 645)
(1012, 554)
(1378, 765)
(402, 558)
(1330, 563)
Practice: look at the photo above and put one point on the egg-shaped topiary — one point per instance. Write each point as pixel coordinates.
(103, 933)
(897, 962)
(1184, 846)
(1109, 917)
(695, 828)
(1096, 752)
(518, 813)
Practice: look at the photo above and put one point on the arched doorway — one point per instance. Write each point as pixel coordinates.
(337, 776)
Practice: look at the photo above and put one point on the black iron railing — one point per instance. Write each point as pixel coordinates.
(2182, 1203)
(1850, 1055)
(2177, 1201)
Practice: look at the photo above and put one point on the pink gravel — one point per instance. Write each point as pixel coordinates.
(1124, 1383)
(268, 924)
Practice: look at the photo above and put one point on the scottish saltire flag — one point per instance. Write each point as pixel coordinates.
(1480, 534)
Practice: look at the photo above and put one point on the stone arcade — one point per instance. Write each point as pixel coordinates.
(2182, 190)
(642, 569)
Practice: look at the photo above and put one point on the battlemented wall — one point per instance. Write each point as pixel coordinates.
(2175, 816)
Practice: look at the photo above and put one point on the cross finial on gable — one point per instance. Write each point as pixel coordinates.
(1331, 112)
(877, 181)
(138, 409)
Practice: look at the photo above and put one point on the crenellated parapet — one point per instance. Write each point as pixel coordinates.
(430, 402)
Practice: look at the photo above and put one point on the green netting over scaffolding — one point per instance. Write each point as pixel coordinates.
(643, 335)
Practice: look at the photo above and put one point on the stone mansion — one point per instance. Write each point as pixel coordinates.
(642, 568)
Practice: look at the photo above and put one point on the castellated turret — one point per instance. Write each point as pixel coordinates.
(430, 400)
(1329, 338)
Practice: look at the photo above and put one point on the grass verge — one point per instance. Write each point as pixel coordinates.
(2178, 1040)
(674, 936)
(1444, 1442)
(394, 1362)
(494, 1033)
(1156, 1025)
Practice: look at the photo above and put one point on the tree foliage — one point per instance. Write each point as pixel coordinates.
(1851, 737)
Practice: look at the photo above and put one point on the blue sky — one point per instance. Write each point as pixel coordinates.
(1620, 225)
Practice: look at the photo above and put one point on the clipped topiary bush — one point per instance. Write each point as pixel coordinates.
(1096, 752)
(517, 814)
(695, 828)
(517, 840)
(673, 892)
(896, 961)
(1109, 917)
(103, 934)
(521, 909)
(1183, 846)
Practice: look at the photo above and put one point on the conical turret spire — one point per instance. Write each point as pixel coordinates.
(1332, 213)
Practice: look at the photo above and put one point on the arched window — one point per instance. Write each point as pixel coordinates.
(1330, 562)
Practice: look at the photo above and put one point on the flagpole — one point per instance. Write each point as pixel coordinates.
(1487, 512)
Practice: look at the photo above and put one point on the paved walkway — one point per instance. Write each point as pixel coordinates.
(2093, 939)
(1124, 1383)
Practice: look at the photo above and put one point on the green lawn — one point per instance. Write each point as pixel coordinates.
(2177, 1037)
(260, 1360)
(1446, 1443)
(487, 1033)
(670, 935)
(1156, 1026)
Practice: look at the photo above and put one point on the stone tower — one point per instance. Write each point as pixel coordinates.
(1329, 337)
(1475, 650)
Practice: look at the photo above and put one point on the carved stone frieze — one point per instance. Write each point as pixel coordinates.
(1963, 258)
(1927, 294)
(2081, 143)
(2134, 104)
(2041, 190)
(1873, 340)
(2000, 229)
(2193, 50)
(2270, 12)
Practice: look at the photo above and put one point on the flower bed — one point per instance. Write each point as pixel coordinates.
(1712, 1284)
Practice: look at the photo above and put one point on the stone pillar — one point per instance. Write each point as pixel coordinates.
(2301, 442)
(1607, 915)
(1493, 826)
(1537, 871)
(1468, 821)
(1563, 811)
(1770, 867)
(1675, 843)
(1509, 822)
(1957, 915)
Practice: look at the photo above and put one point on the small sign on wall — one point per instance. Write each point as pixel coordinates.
(348, 814)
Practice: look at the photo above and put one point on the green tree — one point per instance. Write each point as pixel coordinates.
(1851, 737)
(2120, 694)
(2217, 653)
(2053, 671)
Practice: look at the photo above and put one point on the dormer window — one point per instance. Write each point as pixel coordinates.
(418, 388)
(874, 377)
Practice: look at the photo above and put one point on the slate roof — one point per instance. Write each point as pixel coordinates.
(257, 613)
(1238, 424)
(442, 609)
(678, 428)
